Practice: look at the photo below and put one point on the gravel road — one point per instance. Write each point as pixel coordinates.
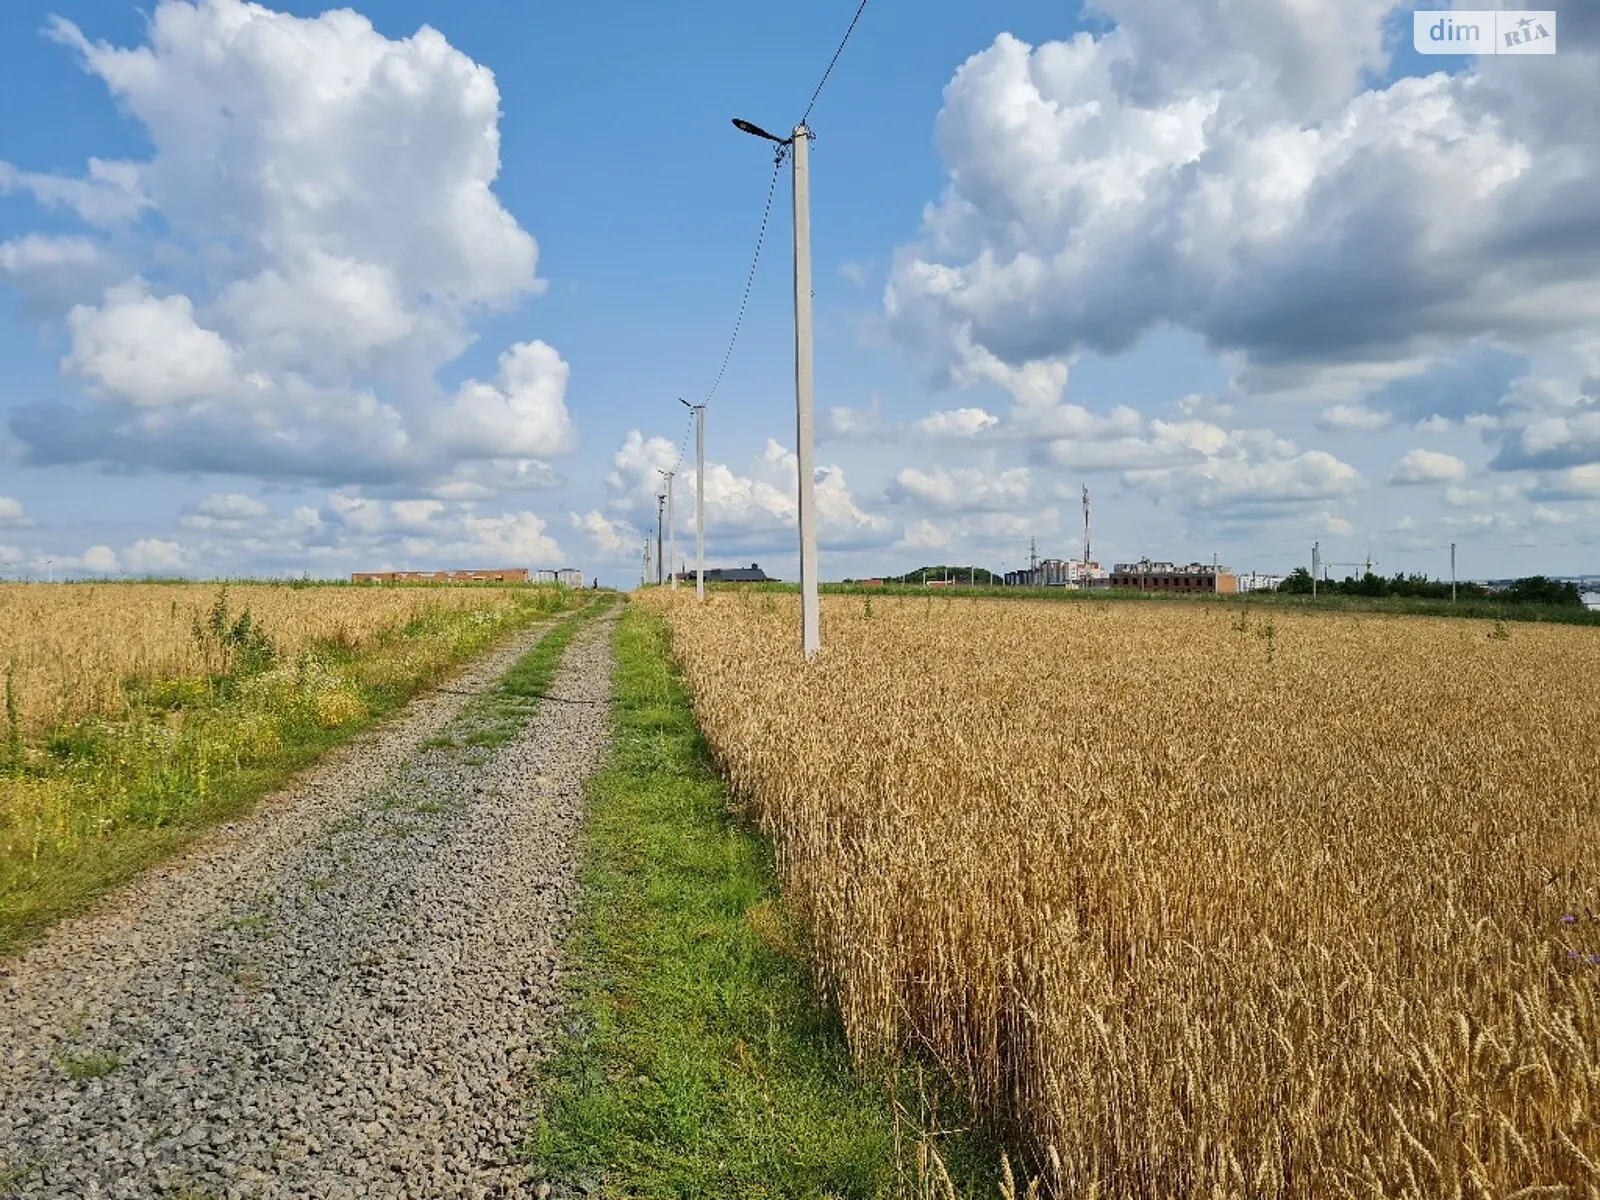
(334, 997)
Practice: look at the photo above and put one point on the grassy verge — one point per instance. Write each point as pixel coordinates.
(90, 805)
(703, 1065)
(492, 720)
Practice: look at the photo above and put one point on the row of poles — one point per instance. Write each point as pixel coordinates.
(665, 498)
(797, 146)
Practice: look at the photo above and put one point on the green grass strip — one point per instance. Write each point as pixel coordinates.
(700, 1062)
(499, 716)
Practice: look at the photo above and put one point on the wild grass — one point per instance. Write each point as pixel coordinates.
(88, 799)
(700, 1063)
(1193, 905)
(494, 719)
(93, 1064)
(70, 651)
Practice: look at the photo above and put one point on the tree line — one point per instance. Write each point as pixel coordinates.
(1533, 589)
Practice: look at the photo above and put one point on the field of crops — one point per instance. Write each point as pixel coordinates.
(135, 714)
(71, 649)
(1195, 901)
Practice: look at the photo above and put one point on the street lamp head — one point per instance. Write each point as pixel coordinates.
(684, 402)
(757, 131)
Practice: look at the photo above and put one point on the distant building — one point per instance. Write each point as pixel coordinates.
(507, 575)
(751, 574)
(1059, 572)
(567, 577)
(1258, 583)
(1187, 580)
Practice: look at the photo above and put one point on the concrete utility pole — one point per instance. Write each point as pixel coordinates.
(699, 411)
(1452, 572)
(810, 622)
(1316, 566)
(799, 145)
(661, 501)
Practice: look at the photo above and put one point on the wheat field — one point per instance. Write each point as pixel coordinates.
(1214, 901)
(70, 649)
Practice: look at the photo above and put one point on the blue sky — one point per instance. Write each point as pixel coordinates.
(342, 295)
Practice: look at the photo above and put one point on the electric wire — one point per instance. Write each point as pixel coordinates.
(750, 276)
(766, 209)
(761, 236)
(683, 444)
(832, 62)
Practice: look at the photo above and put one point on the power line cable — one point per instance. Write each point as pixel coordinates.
(766, 209)
(832, 62)
(761, 234)
(750, 276)
(683, 444)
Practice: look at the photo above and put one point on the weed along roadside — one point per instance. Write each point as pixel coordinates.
(144, 760)
(497, 717)
(699, 1061)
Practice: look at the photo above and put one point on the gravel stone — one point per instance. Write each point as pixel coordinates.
(342, 994)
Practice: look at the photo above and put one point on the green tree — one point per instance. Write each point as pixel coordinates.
(1298, 583)
(1538, 589)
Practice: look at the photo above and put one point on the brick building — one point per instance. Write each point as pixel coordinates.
(507, 575)
(1188, 580)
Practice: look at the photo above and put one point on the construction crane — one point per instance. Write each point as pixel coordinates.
(1366, 566)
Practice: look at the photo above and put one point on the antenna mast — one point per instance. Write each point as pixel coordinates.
(1086, 530)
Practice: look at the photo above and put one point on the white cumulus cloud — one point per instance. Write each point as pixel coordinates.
(1428, 466)
(956, 423)
(149, 350)
(329, 235)
(1226, 167)
(1353, 418)
(610, 538)
(153, 556)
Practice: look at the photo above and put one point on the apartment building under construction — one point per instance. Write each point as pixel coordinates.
(503, 575)
(1188, 580)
